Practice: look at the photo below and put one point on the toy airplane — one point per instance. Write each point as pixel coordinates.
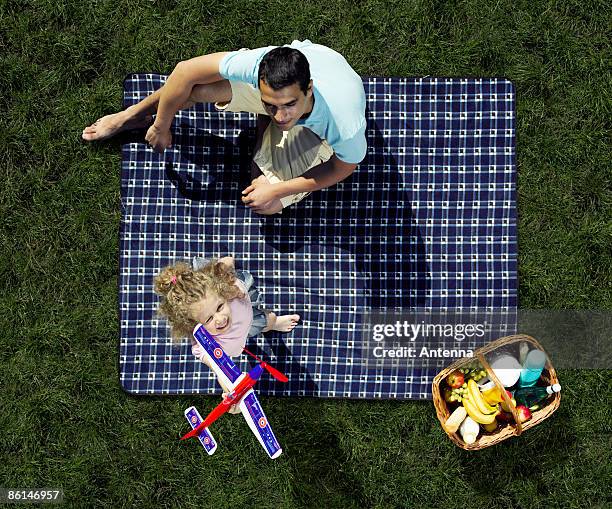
(242, 394)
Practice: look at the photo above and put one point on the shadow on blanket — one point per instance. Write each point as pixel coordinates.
(368, 220)
(371, 220)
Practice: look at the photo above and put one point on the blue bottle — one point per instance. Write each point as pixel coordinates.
(532, 368)
(530, 396)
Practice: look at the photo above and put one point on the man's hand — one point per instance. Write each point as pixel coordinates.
(158, 140)
(259, 194)
(318, 177)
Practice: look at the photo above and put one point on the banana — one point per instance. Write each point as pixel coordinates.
(473, 411)
(478, 399)
(490, 427)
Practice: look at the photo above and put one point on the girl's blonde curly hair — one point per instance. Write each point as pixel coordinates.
(180, 286)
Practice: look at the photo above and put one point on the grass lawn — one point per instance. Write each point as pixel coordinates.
(64, 420)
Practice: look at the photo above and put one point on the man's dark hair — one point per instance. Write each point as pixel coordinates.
(283, 67)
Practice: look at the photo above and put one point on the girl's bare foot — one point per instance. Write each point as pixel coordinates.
(110, 125)
(285, 323)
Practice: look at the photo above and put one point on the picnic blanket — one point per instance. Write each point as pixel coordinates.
(427, 221)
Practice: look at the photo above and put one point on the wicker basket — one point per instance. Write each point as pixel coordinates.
(549, 376)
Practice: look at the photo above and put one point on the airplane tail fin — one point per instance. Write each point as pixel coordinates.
(205, 437)
(270, 369)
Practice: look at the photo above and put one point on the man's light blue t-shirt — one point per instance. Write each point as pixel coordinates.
(338, 115)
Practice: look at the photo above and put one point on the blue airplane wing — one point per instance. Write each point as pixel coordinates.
(205, 437)
(220, 362)
(254, 415)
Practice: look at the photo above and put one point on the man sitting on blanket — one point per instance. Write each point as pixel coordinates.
(314, 98)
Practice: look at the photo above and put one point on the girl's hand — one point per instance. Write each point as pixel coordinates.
(227, 260)
(234, 408)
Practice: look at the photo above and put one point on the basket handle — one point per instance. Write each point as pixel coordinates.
(519, 426)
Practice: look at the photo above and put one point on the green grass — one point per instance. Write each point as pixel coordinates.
(64, 421)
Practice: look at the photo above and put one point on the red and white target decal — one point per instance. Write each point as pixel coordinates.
(194, 419)
(206, 440)
(218, 353)
(262, 422)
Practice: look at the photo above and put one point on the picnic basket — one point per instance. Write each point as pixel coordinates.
(505, 345)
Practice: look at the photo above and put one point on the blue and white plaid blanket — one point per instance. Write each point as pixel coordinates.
(428, 220)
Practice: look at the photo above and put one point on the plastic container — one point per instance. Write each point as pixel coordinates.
(507, 370)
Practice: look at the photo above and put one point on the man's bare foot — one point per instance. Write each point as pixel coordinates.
(110, 125)
(286, 323)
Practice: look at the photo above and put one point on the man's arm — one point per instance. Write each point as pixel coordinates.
(319, 177)
(187, 74)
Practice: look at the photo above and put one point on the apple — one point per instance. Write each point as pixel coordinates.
(448, 394)
(455, 379)
(523, 412)
(504, 417)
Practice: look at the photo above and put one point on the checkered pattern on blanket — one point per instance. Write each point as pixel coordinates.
(428, 220)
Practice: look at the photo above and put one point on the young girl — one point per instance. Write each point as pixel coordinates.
(219, 297)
